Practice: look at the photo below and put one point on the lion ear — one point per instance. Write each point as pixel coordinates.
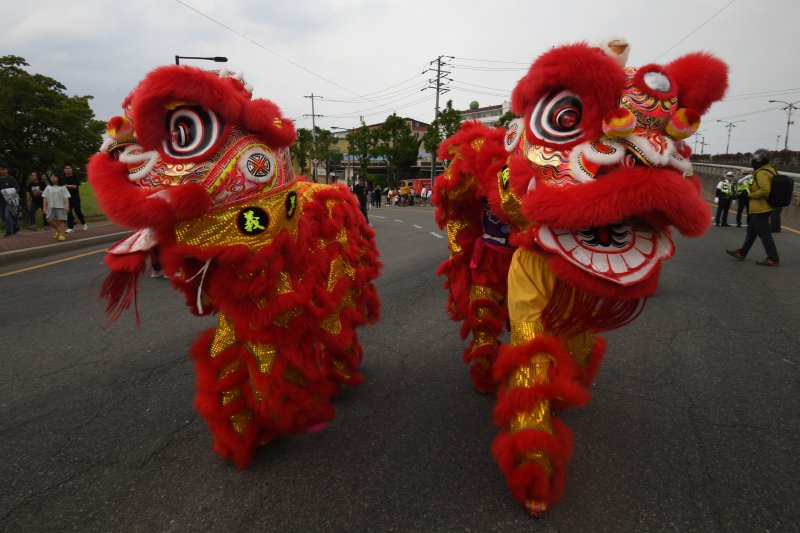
(702, 79)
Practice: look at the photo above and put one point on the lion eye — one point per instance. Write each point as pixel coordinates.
(556, 118)
(192, 131)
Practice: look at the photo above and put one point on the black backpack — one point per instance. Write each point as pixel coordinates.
(780, 195)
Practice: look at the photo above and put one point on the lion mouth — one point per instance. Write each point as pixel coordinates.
(624, 253)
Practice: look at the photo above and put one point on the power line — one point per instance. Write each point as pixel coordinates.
(492, 61)
(488, 69)
(243, 36)
(762, 94)
(413, 89)
(697, 28)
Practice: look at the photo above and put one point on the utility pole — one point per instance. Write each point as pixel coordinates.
(777, 143)
(790, 108)
(696, 138)
(729, 125)
(314, 161)
(703, 145)
(441, 77)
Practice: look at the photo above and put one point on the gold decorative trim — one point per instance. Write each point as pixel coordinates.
(522, 332)
(477, 292)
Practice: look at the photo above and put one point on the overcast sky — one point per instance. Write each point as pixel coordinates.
(366, 57)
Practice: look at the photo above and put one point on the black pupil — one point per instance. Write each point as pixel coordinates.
(566, 117)
(183, 133)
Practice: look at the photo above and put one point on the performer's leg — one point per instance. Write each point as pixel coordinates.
(535, 372)
(486, 321)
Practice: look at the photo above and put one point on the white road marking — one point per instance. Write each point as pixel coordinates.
(436, 234)
(377, 216)
(420, 227)
(397, 220)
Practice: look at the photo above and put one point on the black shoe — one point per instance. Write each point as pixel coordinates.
(736, 254)
(767, 262)
(728, 225)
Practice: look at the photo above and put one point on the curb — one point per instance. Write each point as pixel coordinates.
(66, 246)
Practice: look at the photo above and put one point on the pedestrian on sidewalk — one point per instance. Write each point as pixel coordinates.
(760, 211)
(724, 196)
(73, 183)
(9, 199)
(360, 190)
(56, 206)
(35, 189)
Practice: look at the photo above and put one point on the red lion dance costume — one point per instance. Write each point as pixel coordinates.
(203, 171)
(589, 181)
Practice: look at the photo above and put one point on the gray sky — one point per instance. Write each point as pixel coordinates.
(371, 53)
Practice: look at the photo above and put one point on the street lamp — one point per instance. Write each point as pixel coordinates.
(790, 108)
(349, 151)
(729, 125)
(218, 59)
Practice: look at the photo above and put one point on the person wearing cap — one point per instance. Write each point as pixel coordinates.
(9, 199)
(760, 210)
(724, 196)
(743, 198)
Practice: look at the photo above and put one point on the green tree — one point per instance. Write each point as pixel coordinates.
(324, 151)
(362, 142)
(446, 123)
(397, 144)
(503, 121)
(41, 127)
(301, 150)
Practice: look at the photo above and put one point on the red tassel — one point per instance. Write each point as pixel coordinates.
(119, 287)
(572, 310)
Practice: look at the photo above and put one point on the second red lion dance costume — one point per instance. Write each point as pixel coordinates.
(203, 169)
(589, 181)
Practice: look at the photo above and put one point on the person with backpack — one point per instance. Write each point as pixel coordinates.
(760, 210)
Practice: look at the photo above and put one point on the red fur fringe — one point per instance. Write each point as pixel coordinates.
(572, 310)
(566, 388)
(119, 287)
(702, 79)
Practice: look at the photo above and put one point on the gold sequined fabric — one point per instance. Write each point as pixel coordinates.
(219, 227)
(522, 332)
(224, 336)
(453, 228)
(510, 202)
(264, 353)
(479, 292)
(483, 338)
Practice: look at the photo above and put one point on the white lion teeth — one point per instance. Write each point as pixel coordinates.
(583, 256)
(644, 242)
(600, 262)
(567, 241)
(633, 258)
(617, 264)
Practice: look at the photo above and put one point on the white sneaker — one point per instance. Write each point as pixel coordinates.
(84, 227)
(70, 230)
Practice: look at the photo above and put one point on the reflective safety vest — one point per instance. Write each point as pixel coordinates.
(725, 188)
(744, 185)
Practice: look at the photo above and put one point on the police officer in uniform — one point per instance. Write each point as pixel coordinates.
(724, 196)
(743, 197)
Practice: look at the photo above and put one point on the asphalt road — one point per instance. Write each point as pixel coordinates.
(693, 424)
